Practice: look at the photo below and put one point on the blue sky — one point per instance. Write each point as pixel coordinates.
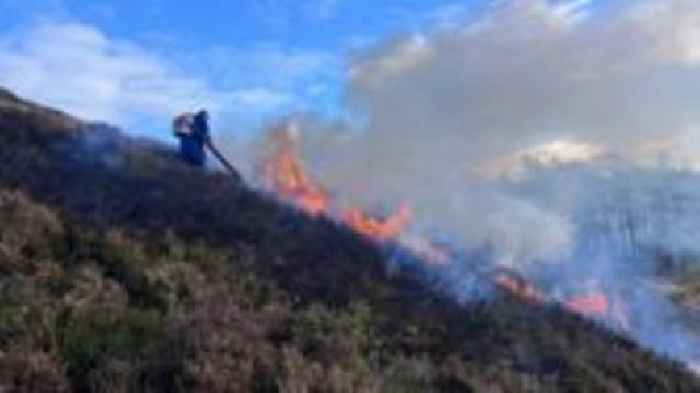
(317, 24)
(250, 59)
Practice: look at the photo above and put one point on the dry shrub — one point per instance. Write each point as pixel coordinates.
(31, 372)
(141, 294)
(92, 292)
(228, 348)
(299, 374)
(26, 233)
(115, 376)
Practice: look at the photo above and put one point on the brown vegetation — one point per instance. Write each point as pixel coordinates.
(123, 271)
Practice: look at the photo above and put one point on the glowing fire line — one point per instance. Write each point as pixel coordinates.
(590, 305)
(284, 174)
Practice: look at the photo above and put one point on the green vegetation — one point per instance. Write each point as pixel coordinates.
(123, 271)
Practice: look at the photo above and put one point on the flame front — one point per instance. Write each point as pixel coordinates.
(284, 173)
(592, 305)
(517, 286)
(379, 229)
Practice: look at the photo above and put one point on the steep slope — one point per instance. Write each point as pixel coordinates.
(123, 270)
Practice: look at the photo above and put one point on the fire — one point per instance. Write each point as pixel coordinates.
(284, 173)
(519, 287)
(376, 228)
(592, 305)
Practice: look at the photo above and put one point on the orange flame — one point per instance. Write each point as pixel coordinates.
(592, 305)
(376, 228)
(519, 287)
(285, 174)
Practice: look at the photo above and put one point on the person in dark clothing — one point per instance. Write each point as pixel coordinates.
(192, 145)
(193, 131)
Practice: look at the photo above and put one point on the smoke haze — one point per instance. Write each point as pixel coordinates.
(561, 135)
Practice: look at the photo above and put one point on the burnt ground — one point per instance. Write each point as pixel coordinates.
(123, 270)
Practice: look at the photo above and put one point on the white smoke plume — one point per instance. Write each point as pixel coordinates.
(555, 133)
(444, 105)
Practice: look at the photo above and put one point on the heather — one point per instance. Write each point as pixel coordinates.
(123, 270)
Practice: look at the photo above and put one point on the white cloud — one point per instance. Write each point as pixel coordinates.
(79, 69)
(548, 154)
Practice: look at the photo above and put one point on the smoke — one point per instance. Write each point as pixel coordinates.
(443, 105)
(550, 133)
(636, 230)
(521, 80)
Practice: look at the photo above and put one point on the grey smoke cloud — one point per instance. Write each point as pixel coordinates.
(602, 86)
(528, 73)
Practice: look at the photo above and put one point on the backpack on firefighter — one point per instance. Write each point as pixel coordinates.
(183, 125)
(193, 131)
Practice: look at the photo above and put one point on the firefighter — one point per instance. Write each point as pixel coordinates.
(193, 132)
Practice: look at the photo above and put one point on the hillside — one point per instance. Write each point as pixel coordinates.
(122, 270)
